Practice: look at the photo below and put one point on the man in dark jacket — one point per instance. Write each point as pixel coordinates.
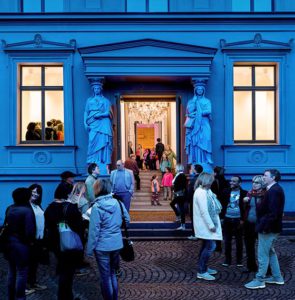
(232, 213)
(159, 149)
(269, 225)
(65, 187)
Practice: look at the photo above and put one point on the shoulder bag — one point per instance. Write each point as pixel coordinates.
(4, 234)
(69, 239)
(127, 252)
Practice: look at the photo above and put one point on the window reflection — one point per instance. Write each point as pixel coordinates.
(31, 76)
(243, 76)
(53, 76)
(264, 76)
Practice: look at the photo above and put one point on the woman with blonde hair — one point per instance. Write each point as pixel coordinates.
(78, 196)
(206, 222)
(251, 201)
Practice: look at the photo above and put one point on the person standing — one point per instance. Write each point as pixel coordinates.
(93, 171)
(159, 149)
(122, 184)
(195, 171)
(130, 150)
(207, 225)
(66, 184)
(21, 229)
(269, 225)
(155, 188)
(105, 236)
(131, 164)
(179, 193)
(232, 212)
(167, 184)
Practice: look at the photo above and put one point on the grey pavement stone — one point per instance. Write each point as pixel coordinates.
(167, 270)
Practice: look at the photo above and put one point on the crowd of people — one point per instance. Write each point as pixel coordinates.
(220, 210)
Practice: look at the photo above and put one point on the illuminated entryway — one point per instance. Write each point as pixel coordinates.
(146, 118)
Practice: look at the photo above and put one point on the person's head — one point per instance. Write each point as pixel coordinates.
(158, 140)
(218, 171)
(130, 144)
(258, 183)
(164, 156)
(31, 126)
(36, 190)
(235, 183)
(102, 187)
(68, 176)
(199, 90)
(139, 146)
(79, 190)
(49, 123)
(60, 127)
(21, 196)
(97, 88)
(168, 170)
(120, 165)
(62, 192)
(204, 180)
(133, 156)
(198, 169)
(154, 177)
(271, 175)
(167, 147)
(93, 169)
(179, 168)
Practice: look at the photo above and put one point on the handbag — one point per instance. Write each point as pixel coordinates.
(127, 252)
(178, 193)
(69, 239)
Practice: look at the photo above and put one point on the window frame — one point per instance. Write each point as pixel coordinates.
(252, 7)
(253, 89)
(42, 10)
(147, 7)
(43, 89)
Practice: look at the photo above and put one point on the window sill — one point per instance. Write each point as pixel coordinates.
(41, 146)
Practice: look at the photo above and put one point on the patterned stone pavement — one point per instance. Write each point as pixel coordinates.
(167, 270)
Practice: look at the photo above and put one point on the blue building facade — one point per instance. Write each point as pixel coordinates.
(145, 52)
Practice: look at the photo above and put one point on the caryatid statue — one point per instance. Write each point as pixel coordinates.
(98, 123)
(198, 144)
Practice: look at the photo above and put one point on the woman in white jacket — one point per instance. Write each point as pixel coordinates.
(206, 209)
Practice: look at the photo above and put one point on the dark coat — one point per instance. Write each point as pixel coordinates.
(270, 211)
(160, 148)
(180, 183)
(225, 198)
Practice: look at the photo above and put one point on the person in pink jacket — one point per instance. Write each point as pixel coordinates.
(155, 187)
(167, 184)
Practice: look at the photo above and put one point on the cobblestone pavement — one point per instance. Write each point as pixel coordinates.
(167, 270)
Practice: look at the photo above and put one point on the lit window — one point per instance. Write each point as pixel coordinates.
(254, 103)
(41, 104)
(252, 5)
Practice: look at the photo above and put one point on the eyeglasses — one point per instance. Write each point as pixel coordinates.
(118, 165)
(256, 182)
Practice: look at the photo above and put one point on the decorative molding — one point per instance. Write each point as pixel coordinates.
(145, 43)
(37, 44)
(257, 43)
(41, 157)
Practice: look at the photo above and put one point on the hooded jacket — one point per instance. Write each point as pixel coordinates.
(105, 225)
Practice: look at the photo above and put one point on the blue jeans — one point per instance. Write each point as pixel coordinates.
(267, 256)
(208, 246)
(125, 197)
(108, 263)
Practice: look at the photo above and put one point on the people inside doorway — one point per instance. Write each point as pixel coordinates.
(155, 188)
(167, 184)
(146, 157)
(97, 121)
(207, 225)
(159, 149)
(171, 156)
(164, 163)
(139, 156)
(33, 133)
(131, 164)
(198, 130)
(179, 192)
(122, 184)
(50, 132)
(153, 159)
(130, 149)
(105, 237)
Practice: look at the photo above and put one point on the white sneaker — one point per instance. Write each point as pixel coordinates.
(181, 227)
(205, 276)
(192, 238)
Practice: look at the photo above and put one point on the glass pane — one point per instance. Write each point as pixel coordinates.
(54, 5)
(265, 115)
(31, 76)
(54, 115)
(242, 116)
(242, 76)
(264, 76)
(158, 5)
(31, 5)
(54, 76)
(240, 5)
(262, 5)
(136, 5)
(31, 116)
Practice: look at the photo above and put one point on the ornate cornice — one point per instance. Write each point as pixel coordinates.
(38, 44)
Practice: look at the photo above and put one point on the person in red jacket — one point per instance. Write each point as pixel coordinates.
(167, 184)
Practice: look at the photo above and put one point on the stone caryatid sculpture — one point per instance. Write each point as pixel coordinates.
(198, 130)
(98, 123)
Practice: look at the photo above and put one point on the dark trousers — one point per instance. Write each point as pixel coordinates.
(67, 264)
(137, 179)
(191, 204)
(232, 228)
(35, 258)
(250, 237)
(180, 202)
